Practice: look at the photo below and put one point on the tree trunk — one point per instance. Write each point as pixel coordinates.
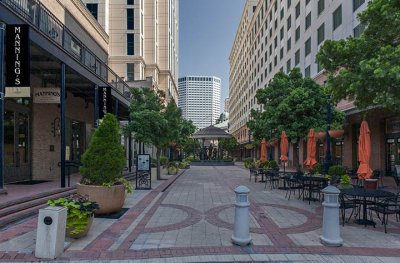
(158, 155)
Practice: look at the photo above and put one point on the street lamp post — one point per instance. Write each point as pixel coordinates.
(328, 159)
(249, 150)
(270, 146)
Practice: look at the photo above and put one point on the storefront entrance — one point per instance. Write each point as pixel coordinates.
(392, 147)
(17, 161)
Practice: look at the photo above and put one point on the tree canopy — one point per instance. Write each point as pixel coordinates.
(153, 122)
(292, 104)
(366, 70)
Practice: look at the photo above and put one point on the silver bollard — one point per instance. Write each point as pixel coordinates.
(241, 235)
(330, 225)
(50, 235)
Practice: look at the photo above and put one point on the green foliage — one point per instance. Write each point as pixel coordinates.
(249, 162)
(345, 179)
(188, 159)
(128, 186)
(104, 160)
(172, 164)
(318, 168)
(191, 146)
(153, 162)
(366, 70)
(292, 104)
(154, 123)
(229, 144)
(80, 209)
(336, 170)
(181, 165)
(273, 164)
(333, 127)
(164, 160)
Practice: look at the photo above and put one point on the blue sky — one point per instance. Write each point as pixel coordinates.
(207, 29)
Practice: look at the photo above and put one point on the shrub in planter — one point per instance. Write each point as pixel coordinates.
(273, 164)
(181, 165)
(102, 165)
(79, 215)
(153, 162)
(164, 161)
(249, 162)
(345, 181)
(172, 168)
(335, 172)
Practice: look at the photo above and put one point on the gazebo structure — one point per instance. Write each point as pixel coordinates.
(212, 134)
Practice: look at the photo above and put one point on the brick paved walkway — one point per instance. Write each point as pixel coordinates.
(192, 221)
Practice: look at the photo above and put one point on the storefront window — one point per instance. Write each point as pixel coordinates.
(9, 138)
(391, 157)
(321, 153)
(339, 152)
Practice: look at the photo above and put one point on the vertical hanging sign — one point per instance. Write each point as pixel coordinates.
(17, 61)
(105, 101)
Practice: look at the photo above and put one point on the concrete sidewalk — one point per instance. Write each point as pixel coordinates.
(192, 221)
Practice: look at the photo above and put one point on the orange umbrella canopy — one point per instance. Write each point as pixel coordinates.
(263, 151)
(364, 152)
(284, 147)
(311, 150)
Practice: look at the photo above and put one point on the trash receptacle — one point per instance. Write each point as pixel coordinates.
(50, 235)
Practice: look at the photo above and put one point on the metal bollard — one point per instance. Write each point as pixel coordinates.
(330, 225)
(50, 235)
(241, 235)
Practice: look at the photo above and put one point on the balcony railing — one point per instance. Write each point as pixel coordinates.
(39, 17)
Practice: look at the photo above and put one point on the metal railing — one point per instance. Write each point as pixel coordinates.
(39, 17)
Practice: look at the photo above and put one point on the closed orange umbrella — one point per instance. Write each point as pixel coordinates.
(284, 147)
(311, 150)
(263, 151)
(364, 152)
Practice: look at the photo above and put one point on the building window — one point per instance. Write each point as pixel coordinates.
(308, 20)
(337, 17)
(321, 6)
(281, 53)
(288, 66)
(270, 67)
(275, 42)
(129, 19)
(270, 32)
(276, 6)
(289, 44)
(357, 4)
(282, 13)
(276, 23)
(129, 44)
(307, 47)
(298, 10)
(307, 72)
(130, 2)
(321, 33)
(270, 49)
(289, 3)
(358, 30)
(282, 33)
(93, 9)
(275, 61)
(297, 57)
(307, 1)
(289, 22)
(297, 35)
(130, 71)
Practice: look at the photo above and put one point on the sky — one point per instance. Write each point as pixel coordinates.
(207, 29)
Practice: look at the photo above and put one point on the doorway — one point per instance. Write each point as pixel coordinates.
(392, 153)
(17, 159)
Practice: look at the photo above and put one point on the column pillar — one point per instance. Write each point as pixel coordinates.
(62, 106)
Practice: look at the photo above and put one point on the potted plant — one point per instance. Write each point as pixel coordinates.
(273, 165)
(172, 168)
(249, 162)
(345, 181)
(80, 214)
(101, 169)
(164, 161)
(335, 172)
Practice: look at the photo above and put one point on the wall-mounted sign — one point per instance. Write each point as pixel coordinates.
(105, 101)
(46, 95)
(17, 61)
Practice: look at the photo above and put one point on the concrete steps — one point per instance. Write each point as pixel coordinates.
(22, 208)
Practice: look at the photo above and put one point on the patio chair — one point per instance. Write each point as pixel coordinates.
(347, 202)
(254, 172)
(378, 174)
(293, 183)
(397, 175)
(273, 179)
(386, 207)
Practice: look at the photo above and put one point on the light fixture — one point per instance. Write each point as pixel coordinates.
(55, 127)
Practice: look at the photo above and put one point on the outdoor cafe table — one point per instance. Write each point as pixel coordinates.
(312, 181)
(366, 193)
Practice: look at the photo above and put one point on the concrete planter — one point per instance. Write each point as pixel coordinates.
(110, 199)
(173, 171)
(154, 173)
(81, 234)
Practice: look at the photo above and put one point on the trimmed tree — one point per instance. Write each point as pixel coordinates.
(103, 161)
(229, 144)
(292, 104)
(366, 70)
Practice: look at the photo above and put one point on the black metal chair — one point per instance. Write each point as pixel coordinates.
(253, 172)
(347, 202)
(378, 174)
(293, 183)
(273, 179)
(385, 207)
